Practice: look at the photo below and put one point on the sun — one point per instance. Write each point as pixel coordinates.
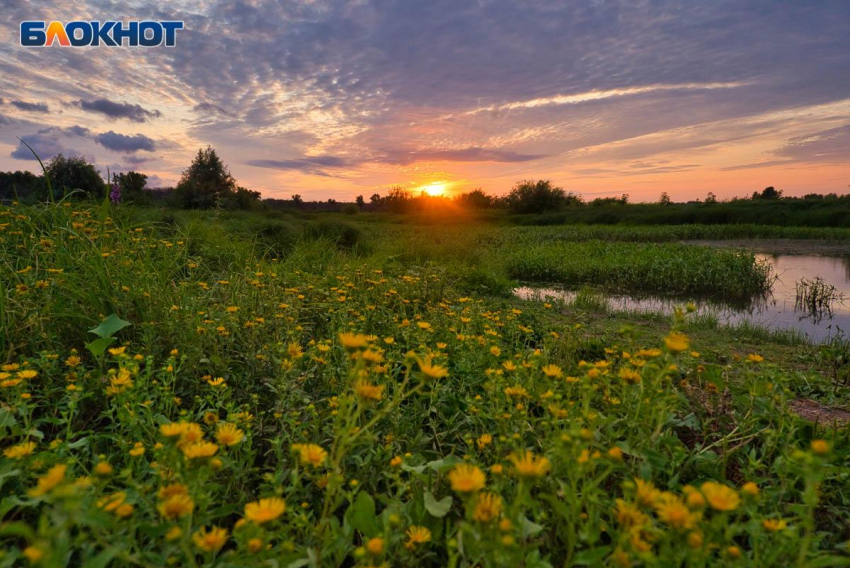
(435, 188)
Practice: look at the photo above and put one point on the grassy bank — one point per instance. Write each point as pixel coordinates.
(179, 393)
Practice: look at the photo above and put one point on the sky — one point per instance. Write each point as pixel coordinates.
(334, 99)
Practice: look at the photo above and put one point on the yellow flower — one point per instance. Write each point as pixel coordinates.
(124, 511)
(199, 450)
(676, 342)
(396, 461)
(417, 535)
(646, 493)
(54, 476)
(530, 466)
(19, 451)
(488, 507)
(552, 371)
(117, 350)
(375, 545)
(750, 489)
(754, 358)
(630, 376)
(466, 478)
(773, 525)
(173, 534)
(73, 361)
(483, 441)
(720, 497)
(672, 510)
(112, 502)
(210, 540)
(34, 554)
(629, 516)
(228, 434)
(615, 453)
(366, 390)
(27, 374)
(353, 341)
(432, 371)
(516, 392)
(175, 505)
(138, 449)
(820, 447)
(103, 468)
(265, 510)
(310, 454)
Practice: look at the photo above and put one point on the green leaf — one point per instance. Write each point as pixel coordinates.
(413, 468)
(444, 464)
(110, 326)
(102, 559)
(528, 528)
(98, 346)
(361, 515)
(439, 508)
(7, 420)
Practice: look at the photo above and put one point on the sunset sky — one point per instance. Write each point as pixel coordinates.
(338, 99)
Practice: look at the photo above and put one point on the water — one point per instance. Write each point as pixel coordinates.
(777, 311)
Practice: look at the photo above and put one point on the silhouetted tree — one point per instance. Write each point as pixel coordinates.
(70, 174)
(475, 199)
(19, 185)
(205, 182)
(665, 199)
(360, 201)
(539, 196)
(768, 193)
(711, 199)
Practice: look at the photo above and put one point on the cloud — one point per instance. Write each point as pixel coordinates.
(312, 164)
(832, 145)
(460, 155)
(29, 107)
(134, 113)
(47, 143)
(210, 108)
(155, 182)
(124, 143)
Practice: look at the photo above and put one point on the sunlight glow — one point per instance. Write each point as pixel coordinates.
(434, 188)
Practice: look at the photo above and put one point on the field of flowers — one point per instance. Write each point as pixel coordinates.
(167, 400)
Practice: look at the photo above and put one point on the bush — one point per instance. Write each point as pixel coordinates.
(73, 174)
(539, 197)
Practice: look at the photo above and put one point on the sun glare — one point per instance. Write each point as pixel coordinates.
(434, 189)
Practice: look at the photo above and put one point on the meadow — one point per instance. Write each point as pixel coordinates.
(240, 389)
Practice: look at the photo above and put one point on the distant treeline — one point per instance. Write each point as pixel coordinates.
(207, 183)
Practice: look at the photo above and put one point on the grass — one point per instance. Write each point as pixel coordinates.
(176, 391)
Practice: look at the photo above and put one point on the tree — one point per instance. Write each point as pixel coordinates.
(665, 199)
(711, 199)
(73, 174)
(296, 200)
(475, 199)
(205, 182)
(398, 200)
(376, 200)
(132, 186)
(19, 185)
(539, 196)
(769, 193)
(360, 201)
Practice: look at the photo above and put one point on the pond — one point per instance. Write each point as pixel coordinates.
(777, 310)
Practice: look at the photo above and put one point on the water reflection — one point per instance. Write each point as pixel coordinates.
(776, 310)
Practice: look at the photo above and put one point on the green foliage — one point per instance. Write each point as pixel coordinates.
(207, 183)
(381, 401)
(73, 175)
(539, 197)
